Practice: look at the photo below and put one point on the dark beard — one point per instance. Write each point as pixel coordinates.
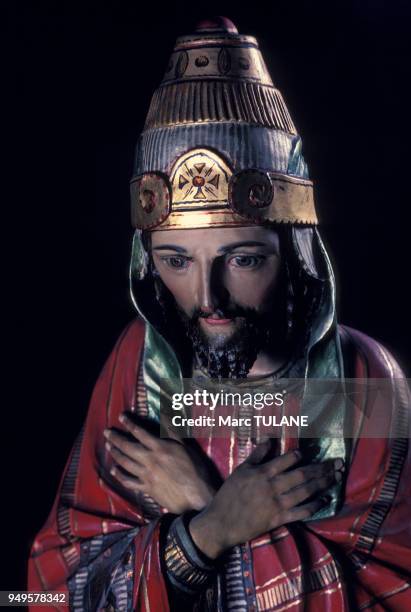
(232, 358)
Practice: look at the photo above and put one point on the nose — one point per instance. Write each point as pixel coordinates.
(203, 291)
(210, 290)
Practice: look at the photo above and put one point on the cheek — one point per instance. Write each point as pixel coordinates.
(253, 288)
(179, 288)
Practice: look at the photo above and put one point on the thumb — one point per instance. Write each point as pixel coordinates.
(259, 452)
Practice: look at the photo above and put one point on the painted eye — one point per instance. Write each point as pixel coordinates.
(246, 261)
(177, 262)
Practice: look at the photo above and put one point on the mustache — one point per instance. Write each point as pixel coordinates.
(232, 312)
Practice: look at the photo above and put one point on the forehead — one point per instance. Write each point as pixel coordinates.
(215, 237)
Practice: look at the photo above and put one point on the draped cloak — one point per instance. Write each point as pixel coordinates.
(103, 547)
(96, 541)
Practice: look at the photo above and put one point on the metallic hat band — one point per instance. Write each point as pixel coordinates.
(207, 56)
(245, 146)
(202, 191)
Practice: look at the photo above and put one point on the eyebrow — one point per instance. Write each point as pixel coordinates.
(224, 249)
(243, 243)
(170, 247)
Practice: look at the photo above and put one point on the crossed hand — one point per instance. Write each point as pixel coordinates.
(257, 497)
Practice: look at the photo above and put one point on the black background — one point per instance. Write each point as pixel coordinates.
(82, 78)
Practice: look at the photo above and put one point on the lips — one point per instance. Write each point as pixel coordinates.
(215, 320)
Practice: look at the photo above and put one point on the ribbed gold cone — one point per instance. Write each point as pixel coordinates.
(218, 75)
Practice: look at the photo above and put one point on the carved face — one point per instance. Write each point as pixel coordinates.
(221, 275)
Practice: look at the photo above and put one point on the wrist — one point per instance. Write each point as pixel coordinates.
(205, 531)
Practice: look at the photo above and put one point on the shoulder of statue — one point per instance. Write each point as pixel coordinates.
(128, 350)
(132, 338)
(365, 357)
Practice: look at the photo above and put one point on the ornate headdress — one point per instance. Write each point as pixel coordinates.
(219, 147)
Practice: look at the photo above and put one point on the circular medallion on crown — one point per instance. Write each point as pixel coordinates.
(200, 177)
(150, 197)
(251, 191)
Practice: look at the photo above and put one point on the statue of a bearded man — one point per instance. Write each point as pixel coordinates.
(232, 283)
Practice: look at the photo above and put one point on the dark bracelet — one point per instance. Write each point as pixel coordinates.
(188, 568)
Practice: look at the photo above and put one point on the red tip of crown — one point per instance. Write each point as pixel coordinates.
(217, 24)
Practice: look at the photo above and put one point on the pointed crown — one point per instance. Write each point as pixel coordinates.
(219, 147)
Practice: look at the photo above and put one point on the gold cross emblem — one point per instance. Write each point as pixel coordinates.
(200, 177)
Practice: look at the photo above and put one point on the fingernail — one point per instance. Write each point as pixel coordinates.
(338, 476)
(108, 446)
(122, 418)
(106, 433)
(113, 471)
(338, 464)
